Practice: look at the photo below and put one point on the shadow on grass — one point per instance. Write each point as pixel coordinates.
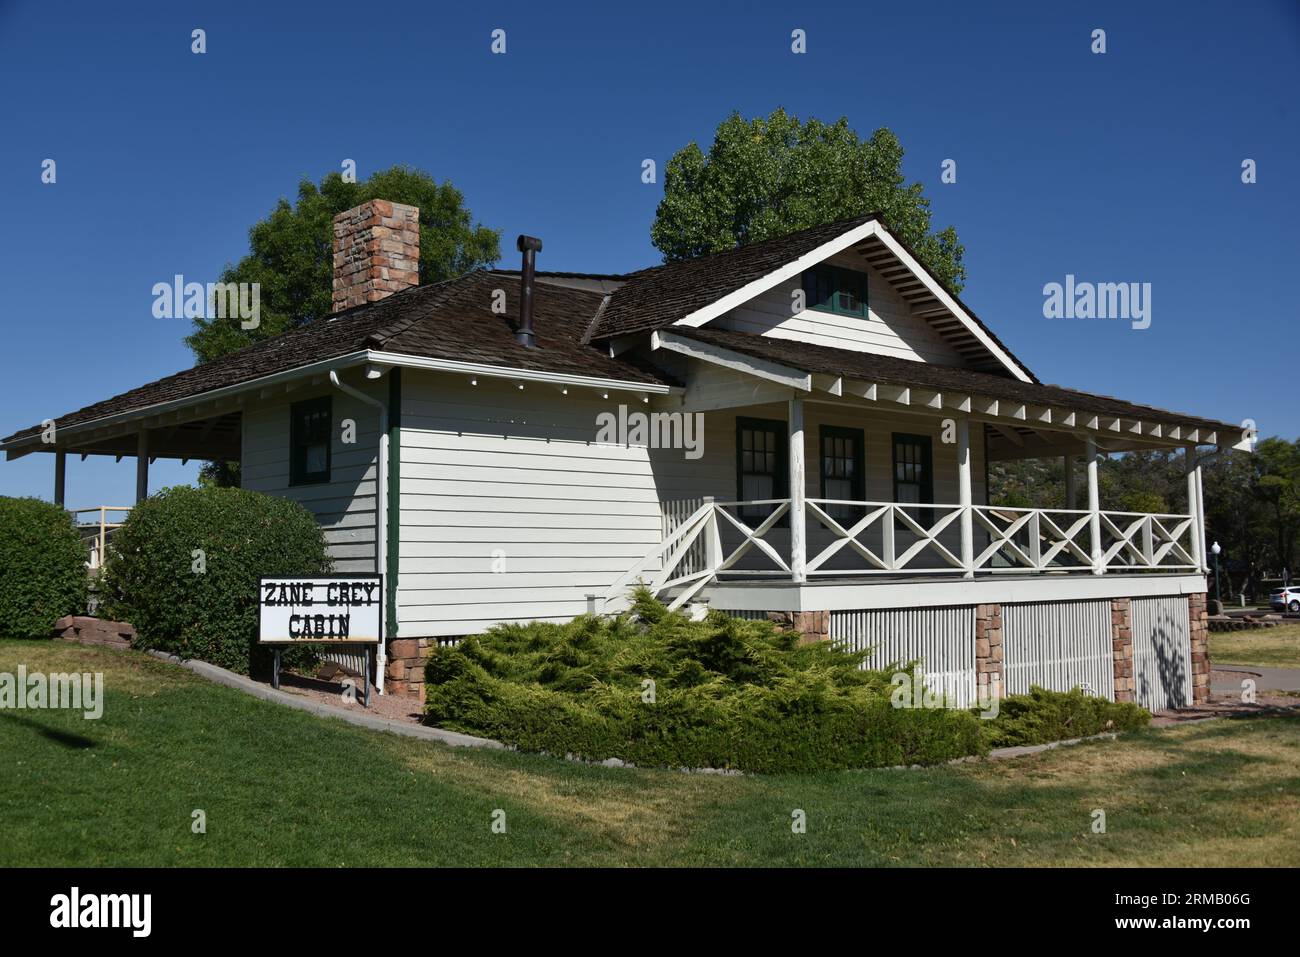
(66, 738)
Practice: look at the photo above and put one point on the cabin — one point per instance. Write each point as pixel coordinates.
(798, 429)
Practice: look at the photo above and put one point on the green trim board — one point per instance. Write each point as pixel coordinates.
(394, 495)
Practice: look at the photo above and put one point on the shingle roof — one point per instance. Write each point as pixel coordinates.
(448, 320)
(657, 297)
(878, 368)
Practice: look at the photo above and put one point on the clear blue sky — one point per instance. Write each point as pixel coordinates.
(1116, 167)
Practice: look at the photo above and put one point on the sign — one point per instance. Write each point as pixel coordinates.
(325, 609)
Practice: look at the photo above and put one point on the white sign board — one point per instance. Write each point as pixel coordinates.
(327, 609)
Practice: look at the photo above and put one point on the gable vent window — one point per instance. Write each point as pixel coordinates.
(832, 289)
(309, 441)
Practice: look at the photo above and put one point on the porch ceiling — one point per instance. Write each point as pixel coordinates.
(216, 437)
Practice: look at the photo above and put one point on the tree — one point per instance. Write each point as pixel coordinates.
(291, 252)
(770, 176)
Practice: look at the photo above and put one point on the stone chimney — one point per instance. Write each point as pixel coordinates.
(376, 252)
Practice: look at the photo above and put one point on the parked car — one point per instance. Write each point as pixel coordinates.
(1285, 599)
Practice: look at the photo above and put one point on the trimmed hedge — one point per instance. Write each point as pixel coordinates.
(150, 578)
(42, 567)
(728, 693)
(1042, 716)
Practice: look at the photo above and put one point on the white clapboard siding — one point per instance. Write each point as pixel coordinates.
(891, 328)
(1058, 646)
(344, 507)
(1162, 652)
(942, 639)
(510, 508)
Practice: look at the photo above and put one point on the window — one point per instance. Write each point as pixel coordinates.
(761, 470)
(833, 289)
(913, 474)
(842, 465)
(309, 442)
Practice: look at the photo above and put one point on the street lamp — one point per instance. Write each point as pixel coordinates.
(1215, 549)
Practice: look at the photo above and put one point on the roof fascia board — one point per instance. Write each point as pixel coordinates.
(519, 375)
(948, 302)
(844, 241)
(737, 361)
(793, 268)
(160, 408)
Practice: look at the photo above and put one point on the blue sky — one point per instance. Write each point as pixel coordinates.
(1122, 167)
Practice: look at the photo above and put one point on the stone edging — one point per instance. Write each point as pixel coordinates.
(375, 723)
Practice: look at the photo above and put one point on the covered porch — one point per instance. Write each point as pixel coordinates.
(913, 458)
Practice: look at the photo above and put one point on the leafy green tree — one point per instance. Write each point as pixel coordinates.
(773, 175)
(291, 252)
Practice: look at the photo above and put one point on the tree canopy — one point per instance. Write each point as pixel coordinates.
(291, 251)
(769, 176)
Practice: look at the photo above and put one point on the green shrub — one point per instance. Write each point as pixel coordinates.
(1043, 716)
(42, 567)
(150, 581)
(728, 693)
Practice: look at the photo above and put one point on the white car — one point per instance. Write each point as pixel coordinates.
(1285, 599)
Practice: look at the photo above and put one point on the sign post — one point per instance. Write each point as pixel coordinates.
(326, 610)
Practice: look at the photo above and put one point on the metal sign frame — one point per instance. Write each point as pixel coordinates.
(278, 646)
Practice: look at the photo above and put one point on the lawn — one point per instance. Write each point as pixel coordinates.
(281, 787)
(1277, 647)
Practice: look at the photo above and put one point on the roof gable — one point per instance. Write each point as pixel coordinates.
(694, 292)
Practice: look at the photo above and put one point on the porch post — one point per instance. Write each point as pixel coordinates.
(1094, 506)
(798, 548)
(964, 499)
(60, 474)
(1194, 503)
(1071, 483)
(142, 465)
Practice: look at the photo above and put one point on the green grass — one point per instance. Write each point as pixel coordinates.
(281, 787)
(1277, 647)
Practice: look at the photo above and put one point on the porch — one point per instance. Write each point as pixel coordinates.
(766, 553)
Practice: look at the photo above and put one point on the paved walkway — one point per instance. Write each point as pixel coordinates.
(1228, 678)
(355, 715)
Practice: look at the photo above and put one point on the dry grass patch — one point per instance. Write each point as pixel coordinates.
(1277, 647)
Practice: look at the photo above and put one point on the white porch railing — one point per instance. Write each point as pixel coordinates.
(705, 541)
(97, 530)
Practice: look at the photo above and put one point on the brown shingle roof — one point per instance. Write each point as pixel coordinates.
(657, 297)
(878, 368)
(448, 320)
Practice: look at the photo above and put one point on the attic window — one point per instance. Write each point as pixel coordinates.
(834, 289)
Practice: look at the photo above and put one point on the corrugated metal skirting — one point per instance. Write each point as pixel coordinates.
(943, 639)
(1162, 653)
(1058, 645)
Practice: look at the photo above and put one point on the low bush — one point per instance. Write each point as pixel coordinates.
(1042, 716)
(184, 567)
(654, 688)
(42, 567)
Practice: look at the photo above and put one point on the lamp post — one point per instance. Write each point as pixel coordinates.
(1215, 549)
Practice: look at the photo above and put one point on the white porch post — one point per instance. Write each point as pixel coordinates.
(1194, 505)
(964, 499)
(1071, 483)
(798, 547)
(1094, 506)
(142, 466)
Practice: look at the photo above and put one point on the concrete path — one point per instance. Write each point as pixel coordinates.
(358, 716)
(1228, 678)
